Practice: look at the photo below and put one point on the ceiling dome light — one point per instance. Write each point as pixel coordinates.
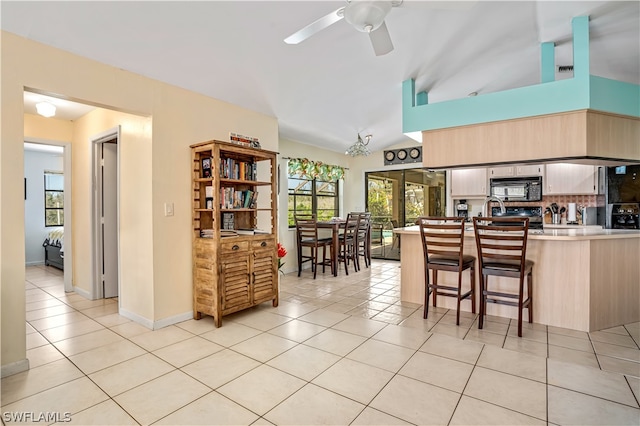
(46, 109)
(366, 16)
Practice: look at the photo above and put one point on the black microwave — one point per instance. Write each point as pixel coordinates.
(517, 189)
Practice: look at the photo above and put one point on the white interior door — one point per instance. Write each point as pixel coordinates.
(109, 219)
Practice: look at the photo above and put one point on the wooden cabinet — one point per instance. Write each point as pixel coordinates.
(566, 178)
(516, 171)
(469, 183)
(235, 263)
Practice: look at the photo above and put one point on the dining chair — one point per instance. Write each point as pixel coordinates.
(348, 243)
(443, 249)
(363, 244)
(307, 236)
(502, 250)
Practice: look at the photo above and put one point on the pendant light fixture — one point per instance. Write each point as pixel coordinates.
(360, 147)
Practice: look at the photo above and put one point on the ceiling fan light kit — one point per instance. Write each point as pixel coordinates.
(366, 16)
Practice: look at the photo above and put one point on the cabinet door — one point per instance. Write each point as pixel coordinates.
(235, 281)
(265, 272)
(566, 178)
(496, 172)
(529, 170)
(469, 183)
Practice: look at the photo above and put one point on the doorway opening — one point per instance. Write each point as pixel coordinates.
(396, 198)
(106, 161)
(47, 195)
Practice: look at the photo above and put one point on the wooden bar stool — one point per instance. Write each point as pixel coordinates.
(443, 245)
(502, 249)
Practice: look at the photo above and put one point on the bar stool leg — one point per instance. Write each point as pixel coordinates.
(427, 293)
(459, 294)
(435, 287)
(473, 289)
(483, 301)
(530, 294)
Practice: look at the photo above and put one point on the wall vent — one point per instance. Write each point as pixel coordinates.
(565, 68)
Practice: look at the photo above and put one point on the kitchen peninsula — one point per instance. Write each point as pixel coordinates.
(583, 279)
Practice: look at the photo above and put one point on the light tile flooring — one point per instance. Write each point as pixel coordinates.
(336, 351)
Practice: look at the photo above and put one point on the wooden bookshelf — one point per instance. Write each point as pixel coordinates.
(231, 273)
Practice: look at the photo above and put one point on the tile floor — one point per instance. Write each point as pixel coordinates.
(336, 351)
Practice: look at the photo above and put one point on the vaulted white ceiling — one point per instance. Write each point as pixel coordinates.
(328, 88)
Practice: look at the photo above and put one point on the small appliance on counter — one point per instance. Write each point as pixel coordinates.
(572, 214)
(623, 216)
(593, 216)
(462, 209)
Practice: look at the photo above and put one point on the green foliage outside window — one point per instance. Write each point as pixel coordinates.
(53, 199)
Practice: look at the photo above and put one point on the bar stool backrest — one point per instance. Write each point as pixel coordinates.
(442, 237)
(502, 245)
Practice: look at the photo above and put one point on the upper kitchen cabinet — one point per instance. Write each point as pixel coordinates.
(565, 178)
(469, 183)
(515, 171)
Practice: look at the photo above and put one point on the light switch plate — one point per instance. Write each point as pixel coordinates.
(168, 209)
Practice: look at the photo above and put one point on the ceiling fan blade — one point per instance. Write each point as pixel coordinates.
(381, 40)
(315, 27)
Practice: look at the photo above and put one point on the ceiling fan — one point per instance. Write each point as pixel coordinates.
(366, 16)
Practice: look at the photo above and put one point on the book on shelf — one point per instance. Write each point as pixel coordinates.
(231, 198)
(206, 167)
(228, 221)
(246, 231)
(225, 233)
(206, 233)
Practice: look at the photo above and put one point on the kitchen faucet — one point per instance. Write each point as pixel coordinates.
(485, 213)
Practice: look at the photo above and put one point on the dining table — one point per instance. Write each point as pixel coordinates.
(334, 226)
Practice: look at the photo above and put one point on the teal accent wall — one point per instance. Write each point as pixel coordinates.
(547, 62)
(615, 96)
(550, 97)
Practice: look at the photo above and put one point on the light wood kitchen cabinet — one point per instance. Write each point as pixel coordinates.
(468, 183)
(516, 171)
(235, 263)
(566, 178)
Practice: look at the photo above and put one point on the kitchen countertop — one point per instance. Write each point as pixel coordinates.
(558, 234)
(584, 279)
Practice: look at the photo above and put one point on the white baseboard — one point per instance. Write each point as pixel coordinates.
(136, 318)
(165, 322)
(14, 368)
(82, 292)
(35, 263)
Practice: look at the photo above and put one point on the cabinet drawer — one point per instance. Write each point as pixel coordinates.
(263, 244)
(227, 247)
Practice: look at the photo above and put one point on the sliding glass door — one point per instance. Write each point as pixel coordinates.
(396, 198)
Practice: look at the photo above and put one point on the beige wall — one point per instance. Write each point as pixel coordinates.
(136, 239)
(179, 118)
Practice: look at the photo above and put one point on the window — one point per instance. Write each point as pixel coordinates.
(312, 196)
(53, 199)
